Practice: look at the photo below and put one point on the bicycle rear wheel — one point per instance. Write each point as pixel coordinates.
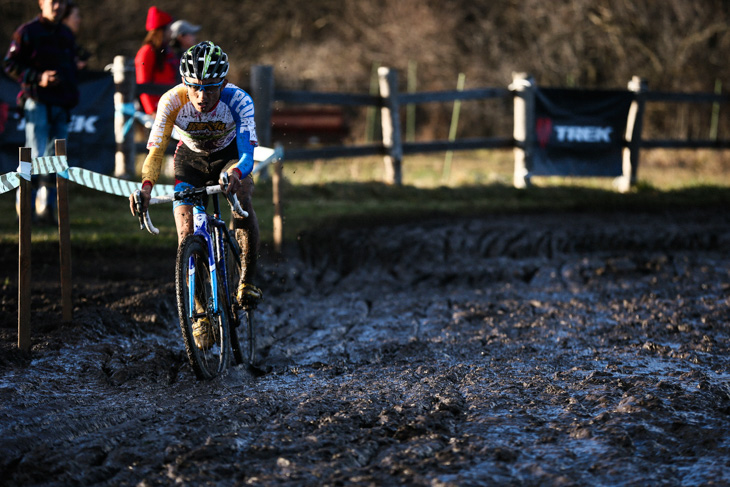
(243, 338)
(208, 358)
(243, 333)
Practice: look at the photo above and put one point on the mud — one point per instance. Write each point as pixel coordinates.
(541, 349)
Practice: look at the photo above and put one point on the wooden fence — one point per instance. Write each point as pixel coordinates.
(391, 102)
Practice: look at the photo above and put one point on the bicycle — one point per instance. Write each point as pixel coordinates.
(207, 271)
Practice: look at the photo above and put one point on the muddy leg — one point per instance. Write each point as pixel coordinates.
(183, 222)
(247, 232)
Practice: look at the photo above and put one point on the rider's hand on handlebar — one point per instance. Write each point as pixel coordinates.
(145, 195)
(234, 183)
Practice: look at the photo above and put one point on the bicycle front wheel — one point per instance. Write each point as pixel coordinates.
(204, 329)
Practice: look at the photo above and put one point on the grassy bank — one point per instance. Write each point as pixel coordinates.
(345, 191)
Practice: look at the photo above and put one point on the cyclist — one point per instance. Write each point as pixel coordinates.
(215, 122)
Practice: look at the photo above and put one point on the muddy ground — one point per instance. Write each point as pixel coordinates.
(540, 349)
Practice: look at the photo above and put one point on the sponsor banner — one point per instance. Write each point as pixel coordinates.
(90, 144)
(579, 132)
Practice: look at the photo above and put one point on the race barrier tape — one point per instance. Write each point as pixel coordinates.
(101, 182)
(109, 184)
(129, 110)
(8, 182)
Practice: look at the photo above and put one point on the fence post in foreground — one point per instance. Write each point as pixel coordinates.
(262, 91)
(64, 239)
(634, 125)
(125, 84)
(524, 126)
(390, 119)
(24, 251)
(276, 197)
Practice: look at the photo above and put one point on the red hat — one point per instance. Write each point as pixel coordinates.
(156, 18)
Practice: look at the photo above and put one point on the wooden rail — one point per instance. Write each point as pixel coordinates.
(390, 101)
(663, 96)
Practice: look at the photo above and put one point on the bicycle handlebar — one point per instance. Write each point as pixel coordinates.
(144, 217)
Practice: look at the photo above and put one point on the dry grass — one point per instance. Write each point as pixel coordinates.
(477, 182)
(660, 169)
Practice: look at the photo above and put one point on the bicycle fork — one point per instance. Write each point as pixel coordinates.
(200, 219)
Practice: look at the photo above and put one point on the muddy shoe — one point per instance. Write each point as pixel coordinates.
(249, 295)
(203, 334)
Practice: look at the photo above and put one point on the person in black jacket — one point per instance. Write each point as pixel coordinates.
(42, 58)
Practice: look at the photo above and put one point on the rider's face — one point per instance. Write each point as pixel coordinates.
(204, 94)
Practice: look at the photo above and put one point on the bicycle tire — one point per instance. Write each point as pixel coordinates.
(207, 363)
(243, 333)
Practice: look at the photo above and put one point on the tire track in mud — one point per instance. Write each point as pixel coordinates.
(541, 349)
(344, 250)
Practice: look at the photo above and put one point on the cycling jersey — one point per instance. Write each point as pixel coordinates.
(230, 121)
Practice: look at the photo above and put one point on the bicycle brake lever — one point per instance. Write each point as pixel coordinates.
(224, 184)
(138, 208)
(236, 206)
(144, 217)
(232, 198)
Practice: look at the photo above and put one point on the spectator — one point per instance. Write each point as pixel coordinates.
(72, 19)
(155, 62)
(184, 35)
(41, 58)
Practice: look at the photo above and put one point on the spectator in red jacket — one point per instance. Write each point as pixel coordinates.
(155, 62)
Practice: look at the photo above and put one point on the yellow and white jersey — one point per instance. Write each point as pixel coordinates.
(231, 120)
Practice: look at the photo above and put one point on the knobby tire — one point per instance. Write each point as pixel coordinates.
(209, 363)
(243, 333)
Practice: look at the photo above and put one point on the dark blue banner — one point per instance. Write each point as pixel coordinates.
(579, 132)
(90, 143)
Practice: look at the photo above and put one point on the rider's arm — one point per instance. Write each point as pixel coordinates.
(241, 106)
(14, 63)
(160, 134)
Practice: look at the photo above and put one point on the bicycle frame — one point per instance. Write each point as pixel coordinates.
(216, 254)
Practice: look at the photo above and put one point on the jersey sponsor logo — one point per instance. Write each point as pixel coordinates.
(242, 104)
(213, 126)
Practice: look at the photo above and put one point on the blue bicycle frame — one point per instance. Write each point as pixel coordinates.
(201, 223)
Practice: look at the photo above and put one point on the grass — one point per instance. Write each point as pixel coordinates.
(322, 193)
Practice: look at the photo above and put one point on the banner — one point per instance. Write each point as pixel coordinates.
(90, 144)
(579, 133)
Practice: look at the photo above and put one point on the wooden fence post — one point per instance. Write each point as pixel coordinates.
(390, 119)
(262, 92)
(634, 124)
(125, 84)
(276, 196)
(64, 238)
(24, 246)
(524, 126)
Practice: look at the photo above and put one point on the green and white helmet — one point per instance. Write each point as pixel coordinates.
(204, 61)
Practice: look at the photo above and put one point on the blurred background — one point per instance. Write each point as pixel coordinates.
(335, 45)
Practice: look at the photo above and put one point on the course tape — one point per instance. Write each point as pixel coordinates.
(39, 165)
(133, 114)
(8, 182)
(84, 177)
(109, 184)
